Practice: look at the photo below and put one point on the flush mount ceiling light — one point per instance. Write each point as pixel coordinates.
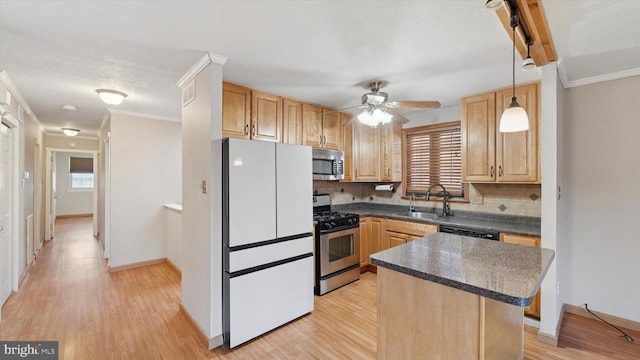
(514, 118)
(528, 63)
(374, 117)
(111, 97)
(70, 131)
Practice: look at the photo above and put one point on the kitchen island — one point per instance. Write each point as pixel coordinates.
(446, 296)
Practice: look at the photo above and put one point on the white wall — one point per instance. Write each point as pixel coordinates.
(202, 213)
(433, 116)
(551, 306)
(146, 163)
(173, 234)
(70, 201)
(601, 165)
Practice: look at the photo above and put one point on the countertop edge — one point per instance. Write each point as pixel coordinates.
(522, 302)
(499, 226)
(173, 206)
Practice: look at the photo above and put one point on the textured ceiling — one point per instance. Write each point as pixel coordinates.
(58, 52)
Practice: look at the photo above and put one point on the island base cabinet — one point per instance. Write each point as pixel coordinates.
(419, 319)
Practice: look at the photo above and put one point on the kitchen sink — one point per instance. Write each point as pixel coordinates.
(421, 215)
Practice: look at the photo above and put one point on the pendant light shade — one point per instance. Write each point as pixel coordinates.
(514, 118)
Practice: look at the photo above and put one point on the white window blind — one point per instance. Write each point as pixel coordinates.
(432, 155)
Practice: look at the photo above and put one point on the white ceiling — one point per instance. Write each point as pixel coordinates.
(59, 52)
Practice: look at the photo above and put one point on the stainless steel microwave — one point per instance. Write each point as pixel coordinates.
(328, 164)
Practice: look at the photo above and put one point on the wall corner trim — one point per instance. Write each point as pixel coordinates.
(208, 58)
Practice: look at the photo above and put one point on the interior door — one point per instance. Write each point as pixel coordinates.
(5, 212)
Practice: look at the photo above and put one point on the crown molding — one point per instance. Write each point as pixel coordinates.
(567, 83)
(140, 115)
(4, 79)
(208, 58)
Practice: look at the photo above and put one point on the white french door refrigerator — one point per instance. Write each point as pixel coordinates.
(267, 239)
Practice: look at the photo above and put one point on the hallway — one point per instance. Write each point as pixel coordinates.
(69, 296)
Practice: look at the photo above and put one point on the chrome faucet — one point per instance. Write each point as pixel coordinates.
(411, 200)
(445, 207)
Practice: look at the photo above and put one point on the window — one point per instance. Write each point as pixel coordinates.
(81, 173)
(432, 154)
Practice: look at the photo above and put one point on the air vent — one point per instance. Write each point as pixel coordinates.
(189, 93)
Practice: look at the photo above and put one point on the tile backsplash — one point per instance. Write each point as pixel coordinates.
(507, 199)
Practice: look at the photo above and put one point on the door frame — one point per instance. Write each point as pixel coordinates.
(50, 222)
(16, 127)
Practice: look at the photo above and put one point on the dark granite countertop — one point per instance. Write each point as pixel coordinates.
(509, 273)
(521, 225)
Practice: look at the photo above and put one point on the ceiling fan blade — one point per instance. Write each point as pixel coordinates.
(397, 116)
(415, 104)
(326, 111)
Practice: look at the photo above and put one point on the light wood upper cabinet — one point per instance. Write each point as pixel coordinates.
(366, 152)
(478, 126)
(491, 156)
(312, 125)
(331, 130)
(321, 128)
(347, 146)
(534, 308)
(266, 119)
(517, 154)
(236, 111)
(391, 152)
(292, 122)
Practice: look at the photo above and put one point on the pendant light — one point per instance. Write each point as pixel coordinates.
(514, 118)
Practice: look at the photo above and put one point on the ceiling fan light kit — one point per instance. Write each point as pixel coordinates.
(111, 97)
(374, 117)
(379, 110)
(514, 118)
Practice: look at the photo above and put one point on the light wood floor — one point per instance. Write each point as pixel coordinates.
(69, 296)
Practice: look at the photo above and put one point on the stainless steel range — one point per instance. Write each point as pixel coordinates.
(337, 246)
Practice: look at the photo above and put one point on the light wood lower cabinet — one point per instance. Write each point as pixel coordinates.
(533, 309)
(371, 239)
(377, 234)
(398, 232)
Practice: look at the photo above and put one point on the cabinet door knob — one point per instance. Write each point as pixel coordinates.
(491, 171)
(500, 171)
(320, 139)
(254, 130)
(246, 130)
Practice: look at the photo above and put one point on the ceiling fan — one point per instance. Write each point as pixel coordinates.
(379, 110)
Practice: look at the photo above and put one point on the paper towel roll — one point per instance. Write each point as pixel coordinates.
(384, 187)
